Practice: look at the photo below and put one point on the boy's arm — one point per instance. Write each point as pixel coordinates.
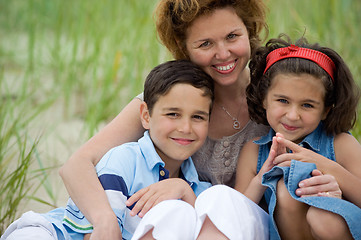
(171, 188)
(248, 181)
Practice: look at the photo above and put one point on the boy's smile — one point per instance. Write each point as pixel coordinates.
(178, 124)
(295, 105)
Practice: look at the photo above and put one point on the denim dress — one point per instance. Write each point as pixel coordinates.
(323, 144)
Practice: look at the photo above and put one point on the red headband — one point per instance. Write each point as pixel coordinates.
(318, 57)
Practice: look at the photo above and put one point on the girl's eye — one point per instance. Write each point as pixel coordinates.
(307, 105)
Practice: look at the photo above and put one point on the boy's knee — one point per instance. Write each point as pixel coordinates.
(327, 225)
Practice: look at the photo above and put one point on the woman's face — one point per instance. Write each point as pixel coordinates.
(219, 44)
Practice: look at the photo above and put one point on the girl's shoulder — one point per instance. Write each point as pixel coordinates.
(347, 149)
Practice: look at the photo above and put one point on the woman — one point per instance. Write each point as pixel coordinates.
(219, 36)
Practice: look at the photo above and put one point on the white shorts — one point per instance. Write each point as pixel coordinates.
(30, 226)
(231, 212)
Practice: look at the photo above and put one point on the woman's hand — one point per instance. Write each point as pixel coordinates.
(105, 229)
(172, 188)
(319, 185)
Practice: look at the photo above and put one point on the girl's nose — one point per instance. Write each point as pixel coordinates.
(293, 114)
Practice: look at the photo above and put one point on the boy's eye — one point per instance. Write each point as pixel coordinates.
(198, 117)
(172, 115)
(282, 100)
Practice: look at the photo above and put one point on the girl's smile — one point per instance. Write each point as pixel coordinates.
(295, 105)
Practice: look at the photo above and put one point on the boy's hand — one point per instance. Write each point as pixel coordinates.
(172, 188)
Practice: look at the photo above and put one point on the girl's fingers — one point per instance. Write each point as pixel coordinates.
(289, 144)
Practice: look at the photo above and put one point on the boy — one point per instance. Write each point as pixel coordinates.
(176, 109)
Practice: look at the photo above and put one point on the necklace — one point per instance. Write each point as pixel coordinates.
(236, 124)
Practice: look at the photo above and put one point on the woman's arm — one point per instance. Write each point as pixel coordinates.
(79, 174)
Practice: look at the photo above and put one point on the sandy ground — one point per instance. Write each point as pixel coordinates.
(59, 139)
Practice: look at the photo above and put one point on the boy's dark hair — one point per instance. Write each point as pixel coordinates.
(341, 96)
(164, 76)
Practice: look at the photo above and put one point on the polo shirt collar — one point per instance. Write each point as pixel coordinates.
(153, 160)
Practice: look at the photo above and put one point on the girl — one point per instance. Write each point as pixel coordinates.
(307, 94)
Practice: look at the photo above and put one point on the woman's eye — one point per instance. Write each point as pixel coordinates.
(205, 44)
(231, 36)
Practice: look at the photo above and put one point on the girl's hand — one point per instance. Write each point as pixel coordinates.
(319, 185)
(300, 154)
(172, 188)
(275, 150)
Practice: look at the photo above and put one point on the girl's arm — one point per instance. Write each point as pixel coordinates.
(248, 181)
(81, 180)
(346, 171)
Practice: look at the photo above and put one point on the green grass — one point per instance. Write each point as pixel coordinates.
(91, 57)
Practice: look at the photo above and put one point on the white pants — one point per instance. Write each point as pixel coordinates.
(231, 212)
(30, 226)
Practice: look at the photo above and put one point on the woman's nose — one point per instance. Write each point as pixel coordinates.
(222, 52)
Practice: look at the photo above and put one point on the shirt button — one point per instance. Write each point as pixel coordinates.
(225, 144)
(226, 154)
(227, 163)
(162, 173)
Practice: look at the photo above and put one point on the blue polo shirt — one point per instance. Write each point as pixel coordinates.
(123, 171)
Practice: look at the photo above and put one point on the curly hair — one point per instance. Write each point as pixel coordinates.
(173, 17)
(342, 95)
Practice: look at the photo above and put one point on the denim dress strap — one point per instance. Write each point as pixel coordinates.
(297, 172)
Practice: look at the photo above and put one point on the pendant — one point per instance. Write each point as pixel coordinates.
(236, 124)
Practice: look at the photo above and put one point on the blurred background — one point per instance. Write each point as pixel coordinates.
(69, 67)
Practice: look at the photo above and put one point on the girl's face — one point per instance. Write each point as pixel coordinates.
(219, 44)
(295, 105)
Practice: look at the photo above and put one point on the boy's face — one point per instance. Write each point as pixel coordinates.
(178, 125)
(295, 105)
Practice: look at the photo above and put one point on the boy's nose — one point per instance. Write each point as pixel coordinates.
(185, 126)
